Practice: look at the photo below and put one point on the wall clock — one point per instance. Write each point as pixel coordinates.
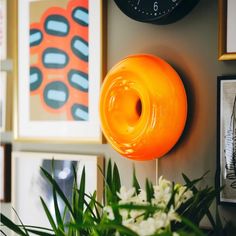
(156, 11)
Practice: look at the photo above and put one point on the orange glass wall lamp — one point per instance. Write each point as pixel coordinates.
(143, 107)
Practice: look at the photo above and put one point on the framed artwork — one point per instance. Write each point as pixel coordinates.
(3, 55)
(5, 172)
(226, 138)
(29, 184)
(227, 30)
(60, 67)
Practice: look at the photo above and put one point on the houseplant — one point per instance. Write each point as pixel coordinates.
(165, 209)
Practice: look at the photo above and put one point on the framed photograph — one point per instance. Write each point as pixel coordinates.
(5, 172)
(29, 184)
(3, 55)
(226, 138)
(60, 66)
(227, 30)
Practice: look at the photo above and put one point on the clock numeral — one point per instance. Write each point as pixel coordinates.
(155, 6)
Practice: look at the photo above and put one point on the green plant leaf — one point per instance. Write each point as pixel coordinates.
(199, 205)
(8, 223)
(108, 182)
(22, 225)
(118, 227)
(116, 181)
(58, 190)
(191, 183)
(49, 216)
(163, 233)
(94, 199)
(186, 233)
(135, 182)
(75, 196)
(81, 197)
(131, 206)
(89, 214)
(56, 208)
(94, 232)
(192, 226)
(64, 213)
(80, 227)
(112, 184)
(57, 211)
(38, 228)
(95, 204)
(109, 174)
(172, 198)
(149, 190)
(41, 233)
(91, 206)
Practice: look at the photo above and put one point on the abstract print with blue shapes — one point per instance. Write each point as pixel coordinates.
(59, 77)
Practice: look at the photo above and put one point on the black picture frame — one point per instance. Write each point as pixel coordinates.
(5, 156)
(226, 139)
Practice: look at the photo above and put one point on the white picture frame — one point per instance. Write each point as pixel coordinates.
(3, 56)
(3, 87)
(54, 111)
(3, 29)
(28, 184)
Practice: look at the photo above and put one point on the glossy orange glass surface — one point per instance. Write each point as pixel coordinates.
(143, 107)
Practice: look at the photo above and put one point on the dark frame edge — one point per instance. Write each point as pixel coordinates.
(7, 148)
(218, 135)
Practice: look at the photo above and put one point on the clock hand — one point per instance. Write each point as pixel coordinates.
(138, 2)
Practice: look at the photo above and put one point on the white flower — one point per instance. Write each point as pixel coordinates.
(157, 221)
(109, 212)
(172, 215)
(160, 219)
(124, 214)
(129, 223)
(147, 227)
(125, 195)
(162, 192)
(164, 184)
(175, 234)
(135, 214)
(142, 196)
(151, 225)
(140, 199)
(187, 195)
(182, 195)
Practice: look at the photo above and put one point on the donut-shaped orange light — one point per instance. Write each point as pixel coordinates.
(143, 107)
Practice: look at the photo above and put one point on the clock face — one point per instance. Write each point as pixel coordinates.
(156, 10)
